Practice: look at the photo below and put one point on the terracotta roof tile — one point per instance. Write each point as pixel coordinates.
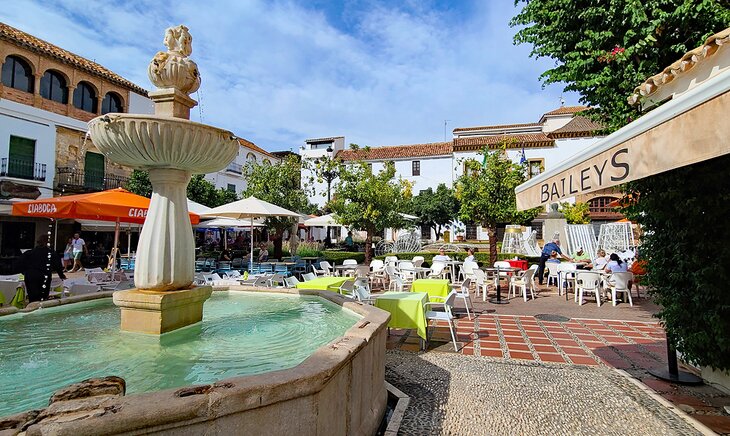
(577, 127)
(528, 140)
(687, 62)
(566, 110)
(498, 126)
(397, 151)
(38, 45)
(254, 147)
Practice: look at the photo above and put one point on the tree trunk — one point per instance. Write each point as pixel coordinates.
(492, 232)
(368, 246)
(277, 240)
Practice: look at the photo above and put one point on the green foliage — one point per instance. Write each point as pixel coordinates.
(435, 209)
(486, 192)
(367, 201)
(278, 184)
(577, 213)
(309, 249)
(603, 50)
(199, 190)
(684, 217)
(139, 183)
(336, 257)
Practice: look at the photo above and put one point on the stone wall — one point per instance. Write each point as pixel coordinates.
(338, 390)
(71, 150)
(40, 64)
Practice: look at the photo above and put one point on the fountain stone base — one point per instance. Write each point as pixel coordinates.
(157, 312)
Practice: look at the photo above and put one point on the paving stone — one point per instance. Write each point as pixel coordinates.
(525, 355)
(717, 423)
(551, 357)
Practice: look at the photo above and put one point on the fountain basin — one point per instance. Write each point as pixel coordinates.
(155, 141)
(338, 389)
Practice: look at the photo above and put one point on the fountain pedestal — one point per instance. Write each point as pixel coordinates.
(155, 312)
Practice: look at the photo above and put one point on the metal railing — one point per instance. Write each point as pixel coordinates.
(235, 168)
(22, 169)
(79, 180)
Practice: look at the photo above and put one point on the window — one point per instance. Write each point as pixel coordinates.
(416, 168)
(111, 103)
(425, 232)
(21, 158)
(471, 231)
(231, 187)
(17, 74)
(85, 97)
(600, 205)
(53, 87)
(535, 167)
(251, 157)
(94, 171)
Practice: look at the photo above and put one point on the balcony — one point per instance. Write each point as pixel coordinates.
(234, 168)
(75, 180)
(22, 169)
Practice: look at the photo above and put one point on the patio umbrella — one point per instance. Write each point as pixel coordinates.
(226, 223)
(117, 205)
(251, 208)
(321, 221)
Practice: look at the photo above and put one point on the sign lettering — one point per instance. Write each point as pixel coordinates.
(42, 208)
(138, 213)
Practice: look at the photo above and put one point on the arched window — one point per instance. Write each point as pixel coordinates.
(266, 162)
(18, 74)
(111, 103)
(251, 157)
(53, 87)
(601, 205)
(85, 97)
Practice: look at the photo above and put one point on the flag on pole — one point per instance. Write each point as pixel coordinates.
(523, 159)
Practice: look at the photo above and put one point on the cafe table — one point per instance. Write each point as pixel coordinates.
(344, 269)
(406, 310)
(435, 288)
(518, 263)
(497, 275)
(324, 283)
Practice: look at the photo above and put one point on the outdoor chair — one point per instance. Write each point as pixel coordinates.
(266, 268)
(237, 263)
(463, 293)
(391, 259)
(209, 264)
(438, 271)
(199, 264)
(418, 261)
(407, 271)
(300, 267)
(347, 288)
(349, 262)
(553, 276)
(506, 275)
(308, 276)
(566, 277)
(291, 282)
(524, 281)
(620, 283)
(199, 279)
(377, 272)
(362, 291)
(588, 282)
(466, 270)
(445, 315)
(480, 282)
(395, 281)
(325, 269)
(223, 267)
(281, 269)
(276, 281)
(259, 281)
(9, 288)
(73, 287)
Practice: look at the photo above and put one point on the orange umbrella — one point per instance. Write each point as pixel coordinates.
(112, 205)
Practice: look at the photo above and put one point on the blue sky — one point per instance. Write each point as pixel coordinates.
(279, 72)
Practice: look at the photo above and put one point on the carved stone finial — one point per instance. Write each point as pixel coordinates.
(173, 68)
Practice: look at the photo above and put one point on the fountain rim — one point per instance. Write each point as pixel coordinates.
(111, 117)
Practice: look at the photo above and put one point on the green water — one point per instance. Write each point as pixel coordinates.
(241, 333)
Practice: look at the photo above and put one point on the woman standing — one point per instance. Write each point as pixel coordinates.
(68, 255)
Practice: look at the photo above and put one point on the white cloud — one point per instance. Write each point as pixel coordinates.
(280, 72)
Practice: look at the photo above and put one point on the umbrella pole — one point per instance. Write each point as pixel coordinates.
(55, 235)
(129, 240)
(114, 249)
(250, 266)
(225, 238)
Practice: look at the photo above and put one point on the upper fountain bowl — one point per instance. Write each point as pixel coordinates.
(153, 141)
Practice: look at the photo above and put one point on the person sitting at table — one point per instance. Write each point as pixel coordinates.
(37, 266)
(615, 264)
(225, 255)
(349, 243)
(553, 257)
(599, 263)
(441, 257)
(581, 258)
(263, 253)
(470, 255)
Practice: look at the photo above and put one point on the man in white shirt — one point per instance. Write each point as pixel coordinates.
(78, 248)
(441, 257)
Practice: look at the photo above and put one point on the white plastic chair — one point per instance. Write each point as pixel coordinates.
(566, 276)
(552, 268)
(308, 276)
(407, 271)
(446, 315)
(391, 259)
(322, 271)
(291, 282)
(438, 270)
(347, 289)
(524, 282)
(480, 279)
(463, 293)
(349, 262)
(377, 272)
(620, 284)
(467, 270)
(418, 261)
(362, 291)
(586, 281)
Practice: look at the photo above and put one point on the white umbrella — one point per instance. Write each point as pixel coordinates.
(408, 217)
(227, 223)
(197, 208)
(321, 221)
(251, 208)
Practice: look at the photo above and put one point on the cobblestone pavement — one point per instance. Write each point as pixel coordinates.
(456, 394)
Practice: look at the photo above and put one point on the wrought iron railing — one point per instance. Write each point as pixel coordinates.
(235, 168)
(22, 169)
(73, 179)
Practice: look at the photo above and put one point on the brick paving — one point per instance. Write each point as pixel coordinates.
(635, 344)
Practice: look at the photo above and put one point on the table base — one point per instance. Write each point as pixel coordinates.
(494, 300)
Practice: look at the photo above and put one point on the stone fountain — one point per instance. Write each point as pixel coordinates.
(170, 148)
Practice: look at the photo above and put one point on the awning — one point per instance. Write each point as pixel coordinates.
(689, 129)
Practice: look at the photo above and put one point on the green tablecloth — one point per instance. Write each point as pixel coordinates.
(438, 289)
(17, 300)
(324, 283)
(406, 310)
